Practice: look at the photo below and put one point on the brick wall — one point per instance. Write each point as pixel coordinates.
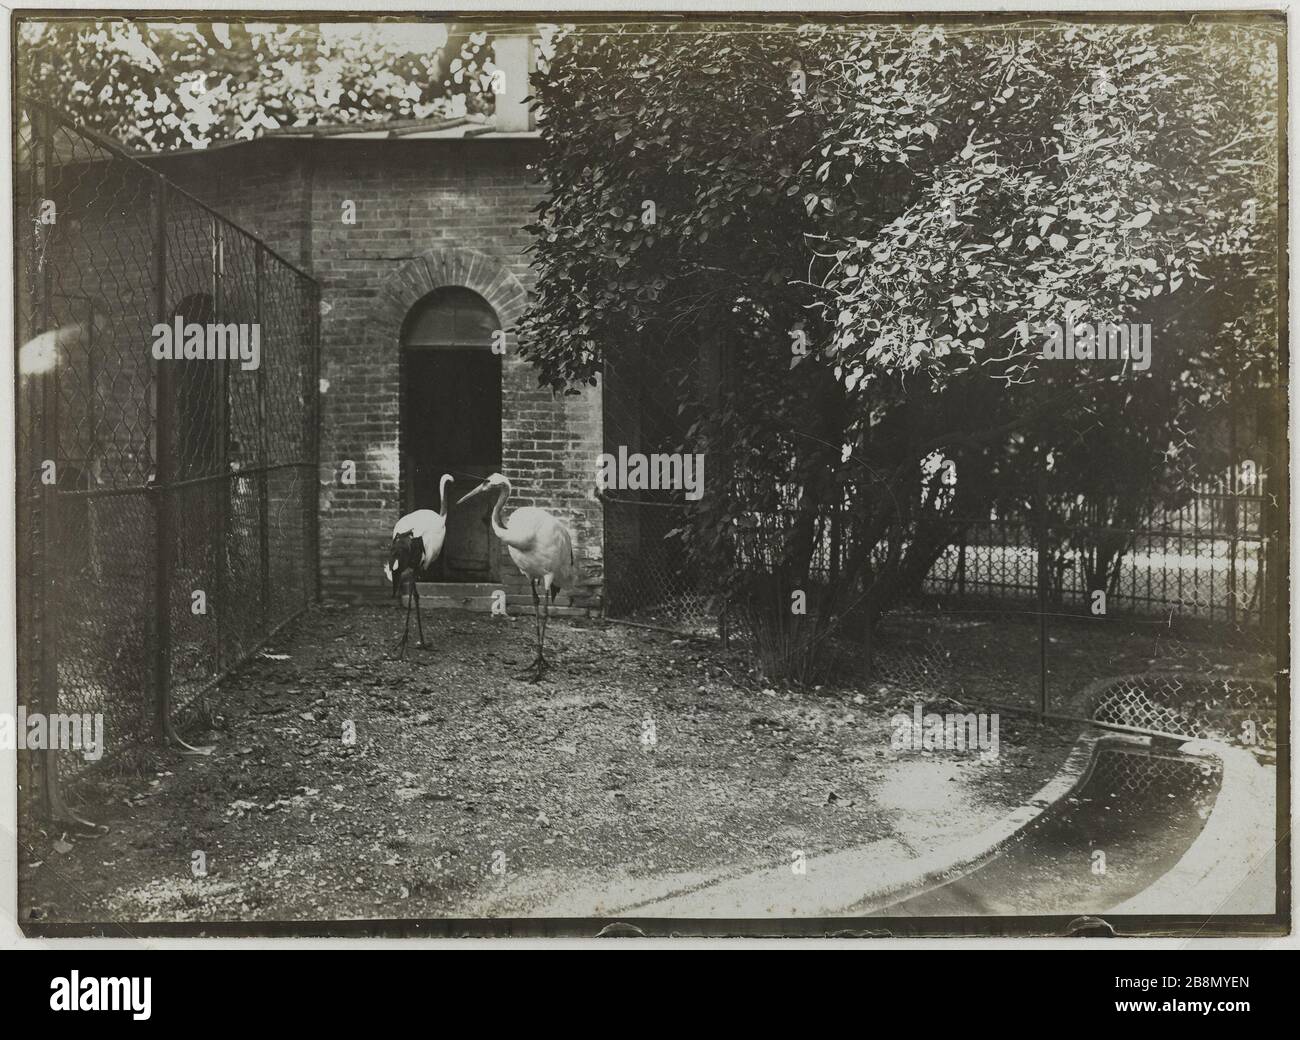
(428, 214)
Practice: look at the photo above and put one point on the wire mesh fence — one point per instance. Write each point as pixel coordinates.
(1231, 709)
(1207, 560)
(648, 399)
(1026, 611)
(167, 442)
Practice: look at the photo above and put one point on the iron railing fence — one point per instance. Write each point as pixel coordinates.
(167, 512)
(1164, 568)
(1206, 560)
(1008, 615)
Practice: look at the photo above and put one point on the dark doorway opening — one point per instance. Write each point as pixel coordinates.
(451, 423)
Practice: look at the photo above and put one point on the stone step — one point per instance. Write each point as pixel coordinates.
(462, 595)
(466, 595)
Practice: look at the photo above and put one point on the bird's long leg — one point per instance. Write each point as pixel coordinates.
(541, 638)
(419, 625)
(546, 616)
(537, 617)
(406, 632)
(537, 628)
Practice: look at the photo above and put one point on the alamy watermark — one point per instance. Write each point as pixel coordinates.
(214, 341)
(1098, 341)
(36, 731)
(973, 731)
(72, 992)
(634, 471)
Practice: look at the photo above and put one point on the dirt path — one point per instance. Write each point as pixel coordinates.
(470, 791)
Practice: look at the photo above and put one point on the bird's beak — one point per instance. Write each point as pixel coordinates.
(482, 487)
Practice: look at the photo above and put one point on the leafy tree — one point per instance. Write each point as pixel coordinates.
(916, 204)
(1095, 174)
(165, 85)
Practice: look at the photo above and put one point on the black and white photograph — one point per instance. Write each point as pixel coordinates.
(649, 474)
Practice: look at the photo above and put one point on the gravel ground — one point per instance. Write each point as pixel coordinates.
(638, 755)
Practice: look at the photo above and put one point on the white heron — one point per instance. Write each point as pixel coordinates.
(417, 541)
(542, 549)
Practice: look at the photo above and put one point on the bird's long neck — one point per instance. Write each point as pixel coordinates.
(499, 528)
(442, 495)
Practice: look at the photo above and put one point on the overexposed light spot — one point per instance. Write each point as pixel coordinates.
(398, 38)
(127, 40)
(384, 462)
(39, 355)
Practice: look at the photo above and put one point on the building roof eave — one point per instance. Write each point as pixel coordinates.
(459, 129)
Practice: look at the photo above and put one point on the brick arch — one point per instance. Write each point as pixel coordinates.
(408, 283)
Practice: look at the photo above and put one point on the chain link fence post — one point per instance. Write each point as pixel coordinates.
(163, 476)
(263, 454)
(47, 445)
(1040, 508)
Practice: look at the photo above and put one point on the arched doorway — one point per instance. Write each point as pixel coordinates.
(451, 421)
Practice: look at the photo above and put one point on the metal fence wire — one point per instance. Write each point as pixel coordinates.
(167, 514)
(1235, 710)
(649, 394)
(1027, 610)
(1184, 563)
(1207, 559)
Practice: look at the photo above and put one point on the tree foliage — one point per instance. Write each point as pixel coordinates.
(160, 85)
(916, 204)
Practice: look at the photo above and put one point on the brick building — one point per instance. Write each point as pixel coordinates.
(415, 231)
